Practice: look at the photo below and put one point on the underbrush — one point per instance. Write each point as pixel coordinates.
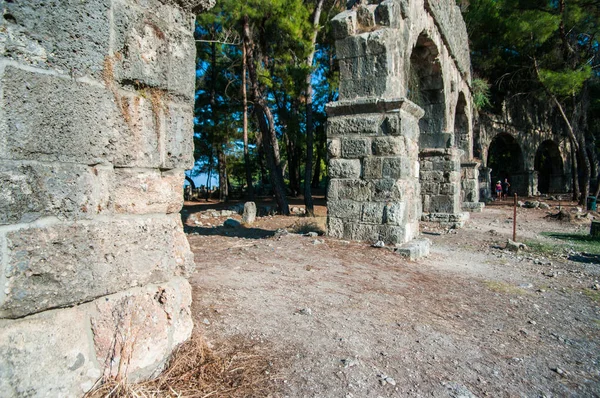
(565, 243)
(304, 226)
(195, 370)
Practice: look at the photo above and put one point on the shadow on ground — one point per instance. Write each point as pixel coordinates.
(238, 232)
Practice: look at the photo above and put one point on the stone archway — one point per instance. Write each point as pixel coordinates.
(549, 165)
(426, 89)
(505, 158)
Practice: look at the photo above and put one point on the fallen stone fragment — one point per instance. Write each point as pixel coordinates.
(249, 215)
(378, 244)
(231, 223)
(515, 246)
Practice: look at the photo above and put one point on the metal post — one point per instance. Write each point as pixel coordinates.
(515, 219)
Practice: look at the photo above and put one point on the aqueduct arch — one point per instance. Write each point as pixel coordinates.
(392, 148)
(96, 126)
(537, 141)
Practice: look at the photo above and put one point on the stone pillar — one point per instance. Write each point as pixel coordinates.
(96, 124)
(373, 189)
(440, 186)
(485, 184)
(524, 183)
(469, 181)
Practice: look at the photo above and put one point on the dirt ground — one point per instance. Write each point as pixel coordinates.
(344, 319)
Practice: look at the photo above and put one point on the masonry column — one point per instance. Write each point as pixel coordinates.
(96, 124)
(470, 186)
(373, 168)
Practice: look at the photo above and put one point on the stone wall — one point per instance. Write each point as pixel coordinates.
(96, 126)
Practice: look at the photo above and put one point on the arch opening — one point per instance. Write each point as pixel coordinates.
(549, 165)
(505, 158)
(426, 89)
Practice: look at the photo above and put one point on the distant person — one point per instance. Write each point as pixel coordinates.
(505, 186)
(499, 190)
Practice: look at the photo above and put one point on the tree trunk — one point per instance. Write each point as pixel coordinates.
(266, 123)
(223, 187)
(316, 180)
(575, 173)
(308, 200)
(245, 126)
(208, 176)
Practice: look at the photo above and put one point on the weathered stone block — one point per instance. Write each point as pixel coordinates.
(448, 189)
(394, 213)
(70, 36)
(141, 44)
(344, 209)
(344, 25)
(386, 146)
(385, 189)
(179, 137)
(54, 119)
(355, 147)
(334, 148)
(396, 168)
(443, 204)
(141, 327)
(344, 125)
(362, 232)
(145, 191)
(372, 212)
(65, 264)
(348, 189)
(372, 168)
(409, 126)
(48, 355)
(139, 141)
(344, 168)
(335, 227)
(392, 125)
(182, 64)
(30, 190)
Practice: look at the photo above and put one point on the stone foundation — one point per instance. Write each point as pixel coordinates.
(96, 126)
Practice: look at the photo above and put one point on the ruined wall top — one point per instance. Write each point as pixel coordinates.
(449, 21)
(193, 5)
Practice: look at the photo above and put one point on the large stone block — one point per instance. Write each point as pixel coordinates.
(140, 327)
(69, 36)
(344, 125)
(145, 191)
(387, 146)
(30, 190)
(372, 212)
(335, 227)
(334, 148)
(372, 167)
(386, 189)
(179, 137)
(48, 118)
(358, 190)
(343, 25)
(344, 168)
(48, 355)
(62, 353)
(64, 264)
(394, 213)
(153, 47)
(355, 147)
(344, 209)
(396, 168)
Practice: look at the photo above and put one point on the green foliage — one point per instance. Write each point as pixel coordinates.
(481, 93)
(565, 83)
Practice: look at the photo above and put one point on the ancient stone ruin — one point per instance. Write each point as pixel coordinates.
(400, 137)
(95, 133)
